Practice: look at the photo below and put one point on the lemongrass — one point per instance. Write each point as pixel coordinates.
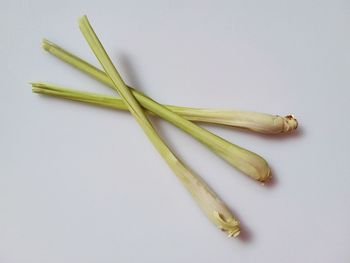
(244, 160)
(207, 200)
(258, 122)
(255, 121)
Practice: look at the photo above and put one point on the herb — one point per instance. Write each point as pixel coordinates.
(140, 105)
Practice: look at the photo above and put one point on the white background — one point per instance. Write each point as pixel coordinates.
(83, 184)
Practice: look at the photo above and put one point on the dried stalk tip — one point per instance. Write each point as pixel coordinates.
(290, 123)
(229, 225)
(46, 44)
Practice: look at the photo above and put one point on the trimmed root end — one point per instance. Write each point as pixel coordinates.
(290, 123)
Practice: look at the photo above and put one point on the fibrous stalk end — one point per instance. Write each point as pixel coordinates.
(229, 225)
(290, 123)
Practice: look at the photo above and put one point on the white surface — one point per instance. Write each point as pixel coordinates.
(83, 184)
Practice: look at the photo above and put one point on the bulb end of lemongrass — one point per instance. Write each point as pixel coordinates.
(290, 123)
(234, 234)
(265, 176)
(255, 166)
(229, 225)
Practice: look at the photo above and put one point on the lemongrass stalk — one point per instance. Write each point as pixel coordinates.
(246, 161)
(207, 200)
(258, 122)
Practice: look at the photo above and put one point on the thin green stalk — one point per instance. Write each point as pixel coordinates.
(246, 161)
(208, 201)
(259, 122)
